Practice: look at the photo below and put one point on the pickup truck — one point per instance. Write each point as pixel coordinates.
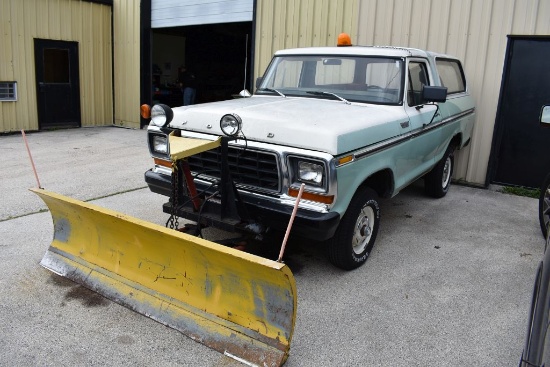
(352, 124)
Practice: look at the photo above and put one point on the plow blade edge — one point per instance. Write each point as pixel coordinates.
(236, 303)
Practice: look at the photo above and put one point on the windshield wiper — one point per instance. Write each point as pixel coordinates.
(320, 93)
(272, 90)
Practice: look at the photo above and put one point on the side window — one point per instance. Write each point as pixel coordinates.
(451, 75)
(418, 76)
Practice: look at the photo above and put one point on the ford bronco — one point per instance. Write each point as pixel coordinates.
(352, 124)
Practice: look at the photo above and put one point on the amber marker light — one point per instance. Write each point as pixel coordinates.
(344, 160)
(312, 197)
(343, 40)
(162, 162)
(145, 111)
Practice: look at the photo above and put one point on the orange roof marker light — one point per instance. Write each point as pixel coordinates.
(344, 40)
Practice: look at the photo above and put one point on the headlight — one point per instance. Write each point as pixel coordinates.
(161, 115)
(231, 124)
(310, 173)
(160, 144)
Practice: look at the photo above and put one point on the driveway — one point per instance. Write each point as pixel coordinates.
(448, 282)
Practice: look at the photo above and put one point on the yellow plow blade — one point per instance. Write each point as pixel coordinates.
(239, 304)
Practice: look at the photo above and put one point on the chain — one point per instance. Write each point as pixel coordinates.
(173, 222)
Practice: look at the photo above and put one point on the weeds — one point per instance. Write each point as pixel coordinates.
(521, 191)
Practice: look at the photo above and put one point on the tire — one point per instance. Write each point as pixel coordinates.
(353, 241)
(544, 206)
(438, 180)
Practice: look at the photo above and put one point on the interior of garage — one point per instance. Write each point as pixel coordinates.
(219, 55)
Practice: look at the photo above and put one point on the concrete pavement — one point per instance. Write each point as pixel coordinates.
(448, 283)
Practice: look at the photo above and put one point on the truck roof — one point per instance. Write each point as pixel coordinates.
(391, 51)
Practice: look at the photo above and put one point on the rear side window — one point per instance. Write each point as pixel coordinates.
(451, 75)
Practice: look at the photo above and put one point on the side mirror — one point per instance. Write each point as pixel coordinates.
(545, 116)
(259, 81)
(434, 94)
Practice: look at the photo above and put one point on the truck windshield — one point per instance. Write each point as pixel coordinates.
(377, 80)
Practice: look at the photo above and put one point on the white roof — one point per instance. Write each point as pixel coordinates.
(360, 50)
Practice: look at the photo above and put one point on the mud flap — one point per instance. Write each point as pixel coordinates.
(239, 304)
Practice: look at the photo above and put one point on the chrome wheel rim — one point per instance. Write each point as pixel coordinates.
(363, 230)
(446, 172)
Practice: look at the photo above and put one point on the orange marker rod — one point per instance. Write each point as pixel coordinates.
(290, 222)
(30, 157)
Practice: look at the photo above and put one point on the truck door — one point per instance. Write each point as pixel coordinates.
(423, 143)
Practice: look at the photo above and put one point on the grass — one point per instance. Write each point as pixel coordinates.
(521, 191)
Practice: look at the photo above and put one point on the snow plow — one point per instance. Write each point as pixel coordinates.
(237, 303)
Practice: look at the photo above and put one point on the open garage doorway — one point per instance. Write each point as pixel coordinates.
(219, 55)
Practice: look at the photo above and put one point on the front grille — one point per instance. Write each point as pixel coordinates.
(249, 168)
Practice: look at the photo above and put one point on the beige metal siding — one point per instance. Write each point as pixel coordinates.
(473, 30)
(126, 17)
(88, 24)
(288, 24)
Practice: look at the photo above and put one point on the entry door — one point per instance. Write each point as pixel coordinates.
(58, 87)
(521, 155)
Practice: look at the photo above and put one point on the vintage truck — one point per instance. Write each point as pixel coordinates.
(351, 123)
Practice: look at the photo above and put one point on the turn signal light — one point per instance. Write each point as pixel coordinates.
(162, 162)
(312, 197)
(145, 111)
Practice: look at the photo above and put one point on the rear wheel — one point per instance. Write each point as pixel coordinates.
(544, 206)
(438, 180)
(353, 241)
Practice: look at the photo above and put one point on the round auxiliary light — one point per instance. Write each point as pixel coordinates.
(231, 124)
(161, 115)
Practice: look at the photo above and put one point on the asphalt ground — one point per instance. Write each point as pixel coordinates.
(448, 283)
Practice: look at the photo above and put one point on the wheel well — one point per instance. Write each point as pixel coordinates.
(457, 141)
(381, 182)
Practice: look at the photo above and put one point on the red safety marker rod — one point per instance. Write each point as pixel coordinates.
(30, 157)
(290, 222)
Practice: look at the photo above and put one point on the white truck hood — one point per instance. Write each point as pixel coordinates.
(329, 126)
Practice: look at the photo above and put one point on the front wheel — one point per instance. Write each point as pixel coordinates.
(438, 180)
(544, 206)
(353, 241)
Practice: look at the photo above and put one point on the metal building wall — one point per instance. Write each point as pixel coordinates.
(301, 23)
(126, 35)
(473, 30)
(84, 22)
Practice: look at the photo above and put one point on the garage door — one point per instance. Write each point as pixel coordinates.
(170, 13)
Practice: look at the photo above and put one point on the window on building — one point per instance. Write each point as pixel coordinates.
(8, 91)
